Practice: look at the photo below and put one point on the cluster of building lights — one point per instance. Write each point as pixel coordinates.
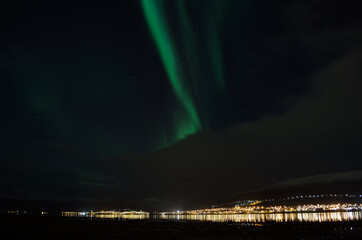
(112, 213)
(272, 209)
(312, 196)
(308, 196)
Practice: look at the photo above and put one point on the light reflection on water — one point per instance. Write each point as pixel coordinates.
(248, 218)
(130, 217)
(277, 217)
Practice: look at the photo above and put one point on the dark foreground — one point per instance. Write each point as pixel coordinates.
(44, 227)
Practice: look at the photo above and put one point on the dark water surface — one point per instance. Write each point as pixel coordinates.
(48, 227)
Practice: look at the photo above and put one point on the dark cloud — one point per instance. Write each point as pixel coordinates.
(320, 134)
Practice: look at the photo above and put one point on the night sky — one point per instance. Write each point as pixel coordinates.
(172, 104)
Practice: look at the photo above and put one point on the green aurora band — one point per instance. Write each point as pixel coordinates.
(190, 122)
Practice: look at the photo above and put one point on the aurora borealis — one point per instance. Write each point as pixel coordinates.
(184, 78)
(171, 102)
(191, 122)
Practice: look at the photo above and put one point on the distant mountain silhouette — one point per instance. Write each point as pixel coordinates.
(337, 183)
